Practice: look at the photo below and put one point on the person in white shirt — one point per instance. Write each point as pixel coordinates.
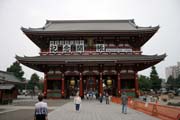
(77, 101)
(41, 109)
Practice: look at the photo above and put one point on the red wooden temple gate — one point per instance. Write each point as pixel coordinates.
(90, 55)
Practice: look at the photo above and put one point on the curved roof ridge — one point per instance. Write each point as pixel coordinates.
(136, 26)
(133, 24)
(28, 29)
(155, 27)
(47, 24)
(89, 20)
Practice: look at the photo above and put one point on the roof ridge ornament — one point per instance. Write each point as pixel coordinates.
(132, 20)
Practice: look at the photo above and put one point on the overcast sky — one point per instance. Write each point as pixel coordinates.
(34, 13)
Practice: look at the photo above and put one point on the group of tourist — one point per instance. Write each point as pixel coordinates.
(41, 109)
(124, 99)
(90, 95)
(107, 98)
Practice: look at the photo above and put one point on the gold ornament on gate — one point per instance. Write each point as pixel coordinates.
(109, 82)
(72, 82)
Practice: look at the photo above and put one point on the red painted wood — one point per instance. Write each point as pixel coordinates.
(119, 84)
(45, 84)
(100, 84)
(136, 84)
(80, 85)
(62, 85)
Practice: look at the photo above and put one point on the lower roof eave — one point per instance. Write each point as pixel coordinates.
(137, 65)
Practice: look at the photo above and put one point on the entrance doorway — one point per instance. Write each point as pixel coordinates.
(90, 85)
(72, 85)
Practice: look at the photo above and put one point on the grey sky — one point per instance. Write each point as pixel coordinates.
(34, 13)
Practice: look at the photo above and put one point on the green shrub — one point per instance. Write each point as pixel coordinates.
(174, 104)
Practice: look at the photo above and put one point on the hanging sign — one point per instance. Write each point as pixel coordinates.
(100, 48)
(80, 48)
(66, 45)
(53, 48)
(66, 48)
(118, 50)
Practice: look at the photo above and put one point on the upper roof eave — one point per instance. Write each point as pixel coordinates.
(89, 26)
(35, 31)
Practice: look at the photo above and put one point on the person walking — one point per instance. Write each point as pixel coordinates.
(41, 109)
(100, 98)
(107, 98)
(90, 95)
(77, 102)
(124, 100)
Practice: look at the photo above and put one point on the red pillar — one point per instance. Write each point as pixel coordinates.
(136, 84)
(80, 85)
(45, 84)
(119, 84)
(100, 84)
(62, 85)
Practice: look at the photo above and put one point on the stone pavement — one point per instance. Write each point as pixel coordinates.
(93, 110)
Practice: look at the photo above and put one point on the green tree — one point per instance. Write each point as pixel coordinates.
(171, 82)
(16, 69)
(144, 82)
(155, 80)
(41, 86)
(178, 81)
(34, 81)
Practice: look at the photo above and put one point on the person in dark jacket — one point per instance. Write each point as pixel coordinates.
(107, 98)
(124, 100)
(100, 98)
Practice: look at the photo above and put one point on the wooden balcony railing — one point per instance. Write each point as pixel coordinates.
(91, 53)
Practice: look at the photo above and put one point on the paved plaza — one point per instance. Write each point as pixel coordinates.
(93, 110)
(65, 110)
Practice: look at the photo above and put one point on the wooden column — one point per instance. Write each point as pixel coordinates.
(119, 84)
(62, 85)
(136, 83)
(101, 84)
(80, 85)
(45, 85)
